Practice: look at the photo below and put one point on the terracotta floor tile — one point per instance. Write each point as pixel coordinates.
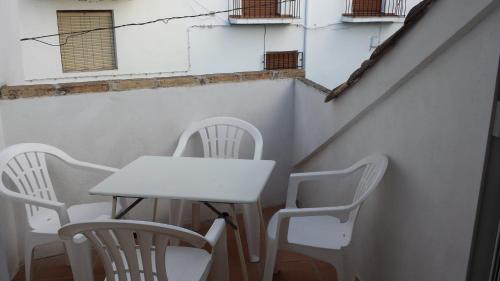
(325, 271)
(296, 271)
(293, 267)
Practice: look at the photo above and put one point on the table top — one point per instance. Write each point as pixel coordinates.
(197, 179)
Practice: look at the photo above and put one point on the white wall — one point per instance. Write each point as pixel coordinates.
(3, 49)
(8, 240)
(334, 48)
(196, 46)
(434, 125)
(181, 47)
(114, 129)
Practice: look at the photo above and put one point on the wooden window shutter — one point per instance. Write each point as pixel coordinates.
(282, 60)
(260, 8)
(91, 51)
(367, 7)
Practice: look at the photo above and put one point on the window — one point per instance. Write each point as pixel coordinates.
(260, 8)
(93, 51)
(366, 7)
(283, 60)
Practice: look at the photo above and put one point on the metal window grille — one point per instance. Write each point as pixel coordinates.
(283, 60)
(92, 51)
(375, 8)
(264, 8)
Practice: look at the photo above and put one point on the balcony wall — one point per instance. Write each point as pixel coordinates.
(428, 107)
(114, 129)
(202, 45)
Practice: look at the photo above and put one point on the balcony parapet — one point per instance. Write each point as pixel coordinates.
(110, 86)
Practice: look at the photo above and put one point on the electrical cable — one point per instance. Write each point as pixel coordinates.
(164, 20)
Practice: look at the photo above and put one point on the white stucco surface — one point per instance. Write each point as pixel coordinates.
(115, 128)
(433, 126)
(180, 47)
(426, 104)
(191, 46)
(334, 49)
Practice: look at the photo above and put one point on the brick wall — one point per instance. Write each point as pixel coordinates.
(28, 91)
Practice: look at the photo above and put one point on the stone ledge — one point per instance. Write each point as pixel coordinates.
(42, 90)
(314, 85)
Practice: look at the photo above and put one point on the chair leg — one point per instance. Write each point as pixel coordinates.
(239, 245)
(271, 257)
(195, 215)
(263, 228)
(220, 266)
(339, 266)
(28, 257)
(80, 256)
(252, 219)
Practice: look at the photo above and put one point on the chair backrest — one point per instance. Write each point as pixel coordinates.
(124, 255)
(374, 168)
(221, 137)
(25, 164)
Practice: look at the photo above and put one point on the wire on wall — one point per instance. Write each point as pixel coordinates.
(164, 20)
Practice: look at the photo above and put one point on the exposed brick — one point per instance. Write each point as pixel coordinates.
(178, 81)
(27, 91)
(132, 84)
(256, 75)
(291, 73)
(221, 78)
(89, 87)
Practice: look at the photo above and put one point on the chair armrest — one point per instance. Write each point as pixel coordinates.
(59, 207)
(297, 178)
(316, 175)
(322, 211)
(93, 166)
(215, 232)
(22, 198)
(287, 213)
(181, 144)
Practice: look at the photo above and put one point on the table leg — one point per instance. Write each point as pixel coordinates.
(262, 226)
(155, 209)
(195, 216)
(123, 212)
(113, 207)
(238, 243)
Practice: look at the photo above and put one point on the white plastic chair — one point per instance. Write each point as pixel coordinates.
(25, 165)
(221, 138)
(318, 232)
(150, 256)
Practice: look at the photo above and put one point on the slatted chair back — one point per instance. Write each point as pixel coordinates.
(128, 258)
(25, 165)
(374, 168)
(222, 137)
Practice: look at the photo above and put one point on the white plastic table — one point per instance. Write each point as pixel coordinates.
(230, 181)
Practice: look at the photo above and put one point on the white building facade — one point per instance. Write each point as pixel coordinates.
(332, 44)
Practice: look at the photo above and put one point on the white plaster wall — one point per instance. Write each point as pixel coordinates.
(10, 53)
(195, 46)
(114, 129)
(181, 47)
(8, 238)
(310, 116)
(225, 49)
(335, 49)
(418, 225)
(3, 47)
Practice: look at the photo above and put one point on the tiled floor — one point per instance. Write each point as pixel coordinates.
(292, 267)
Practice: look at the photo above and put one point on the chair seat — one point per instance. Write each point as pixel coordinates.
(47, 221)
(182, 264)
(315, 231)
